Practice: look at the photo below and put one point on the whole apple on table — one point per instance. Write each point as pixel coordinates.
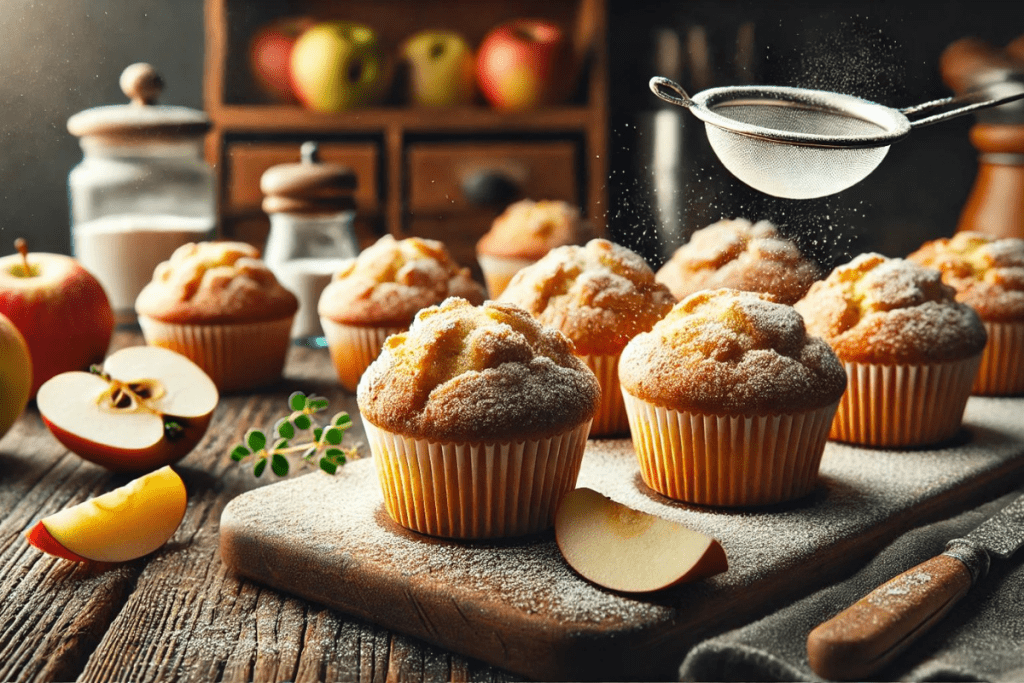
(15, 373)
(60, 309)
(524, 64)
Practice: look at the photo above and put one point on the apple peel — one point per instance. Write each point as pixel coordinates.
(148, 407)
(628, 550)
(121, 525)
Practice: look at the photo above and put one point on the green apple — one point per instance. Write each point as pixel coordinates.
(441, 68)
(338, 65)
(15, 373)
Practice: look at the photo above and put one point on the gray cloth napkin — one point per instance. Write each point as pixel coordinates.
(981, 638)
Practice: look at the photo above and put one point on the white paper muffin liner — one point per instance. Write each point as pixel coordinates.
(903, 405)
(611, 416)
(476, 490)
(236, 356)
(1002, 362)
(726, 460)
(498, 271)
(353, 348)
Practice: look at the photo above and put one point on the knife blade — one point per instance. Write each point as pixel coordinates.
(869, 634)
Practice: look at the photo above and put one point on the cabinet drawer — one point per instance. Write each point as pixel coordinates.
(456, 178)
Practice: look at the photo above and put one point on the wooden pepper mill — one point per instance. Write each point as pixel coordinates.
(995, 205)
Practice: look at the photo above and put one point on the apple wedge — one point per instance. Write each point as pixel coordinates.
(118, 526)
(146, 408)
(628, 550)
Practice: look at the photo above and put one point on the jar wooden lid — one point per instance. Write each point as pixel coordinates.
(142, 119)
(309, 186)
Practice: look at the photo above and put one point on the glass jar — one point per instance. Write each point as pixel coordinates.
(141, 190)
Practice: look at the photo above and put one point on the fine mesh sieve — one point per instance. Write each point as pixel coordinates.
(799, 143)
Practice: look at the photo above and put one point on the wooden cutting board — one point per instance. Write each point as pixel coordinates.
(518, 605)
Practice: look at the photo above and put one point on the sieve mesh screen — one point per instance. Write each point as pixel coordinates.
(785, 117)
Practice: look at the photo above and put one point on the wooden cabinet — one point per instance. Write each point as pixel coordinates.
(435, 173)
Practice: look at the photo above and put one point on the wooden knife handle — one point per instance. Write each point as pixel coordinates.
(871, 632)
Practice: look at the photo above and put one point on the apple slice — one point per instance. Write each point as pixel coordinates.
(148, 407)
(118, 526)
(631, 551)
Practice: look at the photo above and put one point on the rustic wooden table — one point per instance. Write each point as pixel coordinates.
(179, 614)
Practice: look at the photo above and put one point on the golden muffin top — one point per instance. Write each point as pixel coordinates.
(529, 229)
(738, 254)
(391, 280)
(477, 373)
(891, 311)
(600, 295)
(215, 283)
(729, 352)
(986, 272)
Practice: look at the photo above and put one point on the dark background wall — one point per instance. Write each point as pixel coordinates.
(61, 56)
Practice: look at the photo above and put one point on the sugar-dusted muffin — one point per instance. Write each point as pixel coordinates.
(910, 350)
(988, 275)
(738, 254)
(218, 304)
(600, 296)
(380, 292)
(477, 418)
(730, 400)
(522, 234)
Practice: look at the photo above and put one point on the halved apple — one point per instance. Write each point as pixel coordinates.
(628, 550)
(118, 526)
(146, 408)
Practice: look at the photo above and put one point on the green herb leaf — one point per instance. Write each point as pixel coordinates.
(303, 422)
(328, 466)
(317, 404)
(333, 435)
(284, 428)
(316, 434)
(239, 452)
(342, 420)
(279, 464)
(297, 400)
(256, 439)
(259, 467)
(334, 451)
(280, 445)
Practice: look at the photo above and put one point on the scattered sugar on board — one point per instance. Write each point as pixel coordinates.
(322, 516)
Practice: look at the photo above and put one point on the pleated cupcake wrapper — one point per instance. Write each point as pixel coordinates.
(498, 271)
(237, 356)
(476, 490)
(903, 405)
(724, 460)
(1002, 363)
(354, 347)
(611, 415)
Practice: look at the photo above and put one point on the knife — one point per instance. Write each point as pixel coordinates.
(870, 633)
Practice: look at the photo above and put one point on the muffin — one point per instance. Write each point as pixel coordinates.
(477, 418)
(738, 254)
(600, 296)
(730, 400)
(910, 350)
(522, 234)
(218, 304)
(379, 293)
(988, 275)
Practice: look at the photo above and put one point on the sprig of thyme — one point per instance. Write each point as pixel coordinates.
(326, 441)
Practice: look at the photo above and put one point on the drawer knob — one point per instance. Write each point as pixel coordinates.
(489, 187)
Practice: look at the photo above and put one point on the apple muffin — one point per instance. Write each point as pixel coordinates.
(988, 275)
(600, 296)
(477, 418)
(523, 233)
(218, 304)
(730, 400)
(738, 254)
(378, 294)
(910, 349)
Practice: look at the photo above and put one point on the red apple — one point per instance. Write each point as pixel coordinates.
(338, 65)
(441, 69)
(118, 526)
(524, 64)
(147, 407)
(15, 373)
(270, 53)
(60, 309)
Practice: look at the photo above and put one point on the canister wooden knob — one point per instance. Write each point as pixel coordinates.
(141, 83)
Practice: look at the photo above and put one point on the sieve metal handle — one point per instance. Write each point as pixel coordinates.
(658, 84)
(950, 107)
